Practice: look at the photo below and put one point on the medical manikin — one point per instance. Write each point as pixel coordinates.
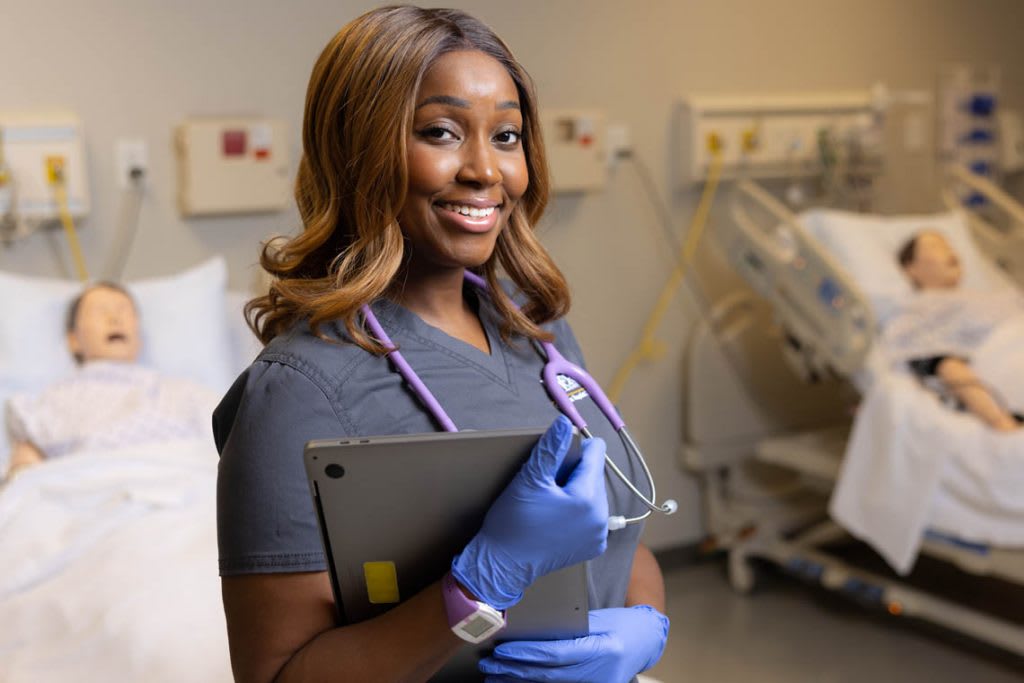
(946, 324)
(111, 400)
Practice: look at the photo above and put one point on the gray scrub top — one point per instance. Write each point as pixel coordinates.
(302, 388)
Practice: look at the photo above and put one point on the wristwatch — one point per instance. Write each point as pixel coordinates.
(470, 620)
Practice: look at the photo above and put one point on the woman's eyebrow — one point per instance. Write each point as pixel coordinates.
(461, 103)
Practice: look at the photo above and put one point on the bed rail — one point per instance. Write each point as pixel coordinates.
(827, 322)
(1005, 244)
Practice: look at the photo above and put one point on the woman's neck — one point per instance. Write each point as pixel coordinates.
(435, 294)
(437, 298)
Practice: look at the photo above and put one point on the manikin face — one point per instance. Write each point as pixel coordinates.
(935, 264)
(106, 327)
(467, 167)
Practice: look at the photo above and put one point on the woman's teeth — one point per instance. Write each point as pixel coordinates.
(470, 211)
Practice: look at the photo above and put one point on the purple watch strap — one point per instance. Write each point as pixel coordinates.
(456, 604)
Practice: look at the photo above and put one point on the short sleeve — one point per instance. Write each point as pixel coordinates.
(266, 521)
(17, 417)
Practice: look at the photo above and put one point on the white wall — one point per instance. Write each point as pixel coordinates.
(136, 68)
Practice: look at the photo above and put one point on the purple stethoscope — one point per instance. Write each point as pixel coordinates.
(556, 365)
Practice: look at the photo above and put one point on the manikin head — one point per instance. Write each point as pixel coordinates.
(103, 324)
(930, 262)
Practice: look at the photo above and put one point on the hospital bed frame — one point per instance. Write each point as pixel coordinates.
(996, 219)
(825, 316)
(827, 322)
(827, 331)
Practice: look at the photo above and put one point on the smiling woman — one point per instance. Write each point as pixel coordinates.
(423, 167)
(365, 147)
(467, 174)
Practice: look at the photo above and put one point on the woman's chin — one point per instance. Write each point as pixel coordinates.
(472, 257)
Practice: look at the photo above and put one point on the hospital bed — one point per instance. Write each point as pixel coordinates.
(814, 273)
(109, 569)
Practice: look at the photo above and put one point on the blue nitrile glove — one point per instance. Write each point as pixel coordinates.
(536, 526)
(623, 641)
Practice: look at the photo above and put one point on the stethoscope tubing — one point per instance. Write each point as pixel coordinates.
(555, 364)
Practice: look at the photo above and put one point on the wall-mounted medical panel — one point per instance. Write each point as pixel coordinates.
(767, 136)
(576, 145)
(232, 166)
(32, 145)
(968, 122)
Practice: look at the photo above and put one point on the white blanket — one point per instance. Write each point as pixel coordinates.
(108, 569)
(912, 463)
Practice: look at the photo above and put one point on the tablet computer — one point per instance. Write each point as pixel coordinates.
(394, 510)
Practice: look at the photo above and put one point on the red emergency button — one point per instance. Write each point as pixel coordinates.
(233, 143)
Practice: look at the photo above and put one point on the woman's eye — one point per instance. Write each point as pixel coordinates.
(438, 133)
(508, 137)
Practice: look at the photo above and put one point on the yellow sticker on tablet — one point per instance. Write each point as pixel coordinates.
(381, 582)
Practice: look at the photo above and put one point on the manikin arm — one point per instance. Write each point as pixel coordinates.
(23, 455)
(965, 385)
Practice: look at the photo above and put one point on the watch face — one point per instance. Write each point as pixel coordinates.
(478, 625)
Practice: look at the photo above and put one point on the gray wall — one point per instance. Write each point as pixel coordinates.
(134, 69)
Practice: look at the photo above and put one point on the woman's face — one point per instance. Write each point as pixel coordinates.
(467, 167)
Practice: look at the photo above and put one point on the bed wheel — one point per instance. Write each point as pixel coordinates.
(742, 573)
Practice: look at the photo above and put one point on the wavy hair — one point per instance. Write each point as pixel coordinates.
(353, 177)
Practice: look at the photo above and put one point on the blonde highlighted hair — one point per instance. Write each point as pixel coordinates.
(353, 177)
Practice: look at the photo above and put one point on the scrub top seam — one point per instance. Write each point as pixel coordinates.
(493, 335)
(312, 373)
(455, 355)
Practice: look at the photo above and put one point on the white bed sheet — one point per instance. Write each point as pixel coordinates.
(109, 568)
(913, 464)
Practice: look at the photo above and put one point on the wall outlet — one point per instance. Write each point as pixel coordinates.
(619, 143)
(131, 162)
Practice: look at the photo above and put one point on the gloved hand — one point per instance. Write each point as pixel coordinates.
(623, 641)
(536, 526)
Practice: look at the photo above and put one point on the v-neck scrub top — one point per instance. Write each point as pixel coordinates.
(302, 388)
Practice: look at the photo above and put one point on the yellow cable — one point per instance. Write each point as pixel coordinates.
(56, 175)
(649, 348)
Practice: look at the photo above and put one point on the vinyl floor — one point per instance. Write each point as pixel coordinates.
(787, 631)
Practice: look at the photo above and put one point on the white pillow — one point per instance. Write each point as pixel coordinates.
(183, 319)
(245, 345)
(867, 247)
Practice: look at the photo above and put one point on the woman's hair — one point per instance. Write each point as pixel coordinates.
(353, 177)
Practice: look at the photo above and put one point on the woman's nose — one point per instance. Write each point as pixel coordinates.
(479, 164)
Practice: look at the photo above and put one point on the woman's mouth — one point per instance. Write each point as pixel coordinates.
(477, 219)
